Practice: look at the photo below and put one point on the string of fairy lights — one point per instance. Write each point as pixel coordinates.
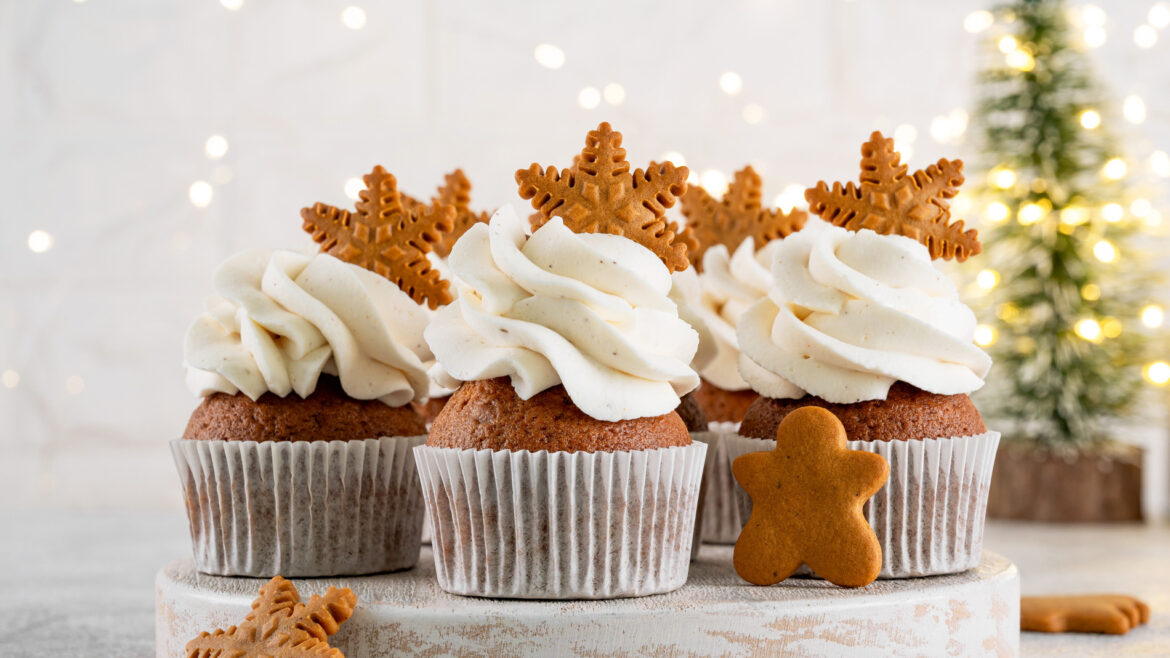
(1092, 22)
(947, 128)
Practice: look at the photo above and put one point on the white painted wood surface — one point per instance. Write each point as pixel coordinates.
(715, 614)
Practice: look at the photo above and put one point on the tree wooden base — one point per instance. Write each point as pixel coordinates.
(1091, 486)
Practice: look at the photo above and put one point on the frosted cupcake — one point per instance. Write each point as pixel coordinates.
(298, 460)
(736, 238)
(560, 469)
(864, 325)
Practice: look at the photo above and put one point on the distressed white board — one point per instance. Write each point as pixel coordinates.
(714, 614)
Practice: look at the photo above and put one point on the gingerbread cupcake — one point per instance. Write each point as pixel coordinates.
(736, 238)
(298, 460)
(859, 321)
(560, 468)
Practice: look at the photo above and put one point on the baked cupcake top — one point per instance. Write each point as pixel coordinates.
(851, 311)
(589, 311)
(279, 319)
(584, 301)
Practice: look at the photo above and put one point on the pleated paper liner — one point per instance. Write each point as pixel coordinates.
(720, 515)
(561, 525)
(929, 516)
(711, 440)
(302, 508)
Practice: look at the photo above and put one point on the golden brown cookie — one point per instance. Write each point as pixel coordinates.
(888, 201)
(1115, 614)
(386, 236)
(455, 192)
(600, 195)
(328, 414)
(807, 498)
(906, 413)
(738, 216)
(280, 626)
(488, 414)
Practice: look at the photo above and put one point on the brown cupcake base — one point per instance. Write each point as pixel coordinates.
(489, 415)
(328, 414)
(906, 413)
(722, 405)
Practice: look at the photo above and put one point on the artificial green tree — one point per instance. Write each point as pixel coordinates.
(1067, 279)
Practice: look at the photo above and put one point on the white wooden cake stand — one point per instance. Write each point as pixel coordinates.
(714, 614)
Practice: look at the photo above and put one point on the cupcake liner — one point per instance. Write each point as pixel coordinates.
(711, 440)
(720, 515)
(930, 514)
(561, 525)
(302, 508)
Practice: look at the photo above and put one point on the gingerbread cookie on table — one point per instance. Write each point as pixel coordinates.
(1113, 614)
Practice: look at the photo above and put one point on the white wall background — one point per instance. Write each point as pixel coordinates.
(105, 107)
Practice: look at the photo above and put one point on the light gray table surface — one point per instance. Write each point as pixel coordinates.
(82, 583)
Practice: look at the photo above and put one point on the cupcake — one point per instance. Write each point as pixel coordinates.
(298, 460)
(736, 239)
(559, 469)
(859, 321)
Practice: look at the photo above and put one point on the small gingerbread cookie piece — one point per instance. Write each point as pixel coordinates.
(280, 626)
(807, 497)
(1114, 614)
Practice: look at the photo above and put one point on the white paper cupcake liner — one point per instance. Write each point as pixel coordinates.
(711, 440)
(930, 514)
(561, 525)
(720, 515)
(302, 508)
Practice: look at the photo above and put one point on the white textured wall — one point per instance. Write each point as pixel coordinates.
(105, 107)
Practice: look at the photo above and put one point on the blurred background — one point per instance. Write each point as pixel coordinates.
(144, 142)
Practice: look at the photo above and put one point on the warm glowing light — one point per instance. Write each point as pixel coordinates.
(1112, 212)
(1093, 15)
(1074, 215)
(790, 197)
(1020, 60)
(232, 5)
(40, 241)
(10, 379)
(692, 177)
(905, 134)
(1140, 207)
(1090, 119)
(714, 182)
(1111, 327)
(753, 113)
(353, 17)
(985, 335)
(74, 384)
(987, 279)
(614, 93)
(549, 56)
(996, 212)
(977, 21)
(354, 187)
(1153, 219)
(1088, 328)
(1008, 44)
(1134, 109)
(1160, 163)
(731, 83)
(1094, 36)
(673, 157)
(1007, 312)
(1030, 213)
(200, 193)
(1158, 372)
(216, 147)
(1159, 15)
(1003, 178)
(1091, 292)
(1114, 169)
(589, 97)
(1105, 251)
(1145, 36)
(1153, 316)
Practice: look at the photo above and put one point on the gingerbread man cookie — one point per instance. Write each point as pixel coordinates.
(1114, 614)
(807, 498)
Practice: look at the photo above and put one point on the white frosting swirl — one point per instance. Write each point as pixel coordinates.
(588, 311)
(731, 283)
(687, 293)
(851, 313)
(281, 318)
